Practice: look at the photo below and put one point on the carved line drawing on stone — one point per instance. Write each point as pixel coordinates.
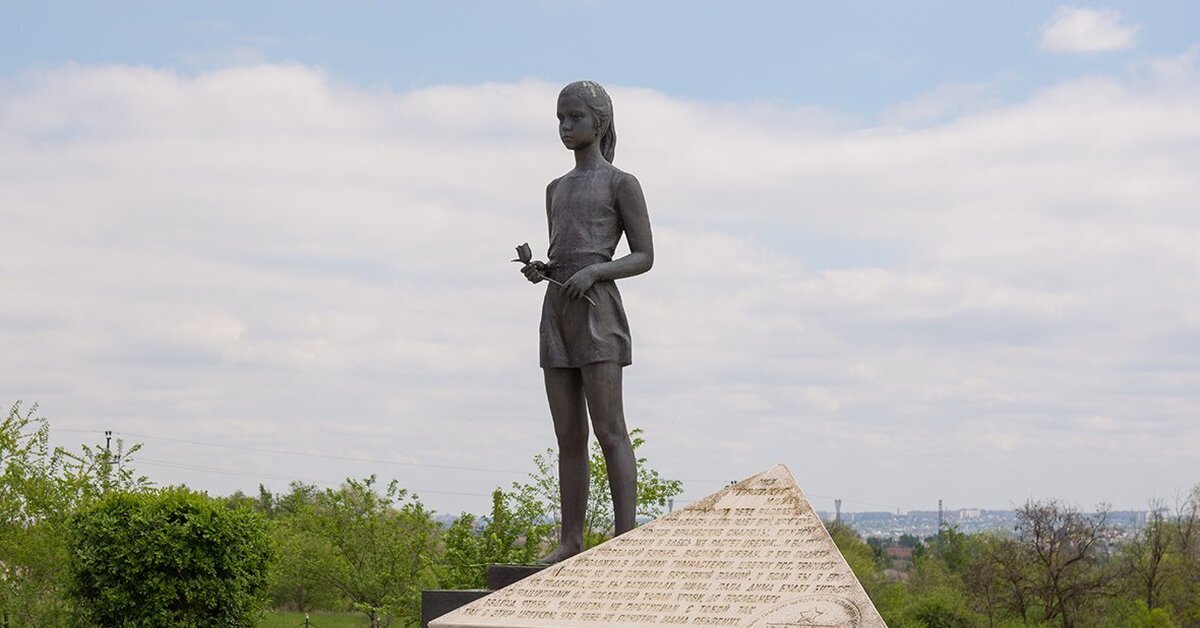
(820, 611)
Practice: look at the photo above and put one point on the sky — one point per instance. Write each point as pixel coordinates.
(913, 250)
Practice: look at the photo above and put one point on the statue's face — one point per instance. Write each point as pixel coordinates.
(577, 125)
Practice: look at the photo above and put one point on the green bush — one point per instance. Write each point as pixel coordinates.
(169, 558)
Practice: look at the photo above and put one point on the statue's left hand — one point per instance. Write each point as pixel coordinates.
(580, 282)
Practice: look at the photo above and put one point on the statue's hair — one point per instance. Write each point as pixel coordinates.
(596, 99)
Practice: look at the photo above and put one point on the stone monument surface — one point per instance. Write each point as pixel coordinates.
(753, 554)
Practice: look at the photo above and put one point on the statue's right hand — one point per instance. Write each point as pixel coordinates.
(533, 271)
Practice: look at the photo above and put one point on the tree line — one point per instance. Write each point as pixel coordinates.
(1059, 567)
(86, 541)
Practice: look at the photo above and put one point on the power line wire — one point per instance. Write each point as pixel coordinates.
(185, 466)
(317, 455)
(172, 464)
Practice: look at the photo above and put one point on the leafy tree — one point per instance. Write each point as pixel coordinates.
(1182, 591)
(512, 534)
(1124, 612)
(879, 547)
(299, 495)
(28, 495)
(1015, 576)
(39, 488)
(942, 608)
(953, 548)
(168, 558)
(377, 549)
(1055, 569)
(891, 600)
(984, 582)
(541, 492)
(858, 553)
(937, 597)
(298, 579)
(933, 596)
(1065, 547)
(1146, 617)
(1148, 556)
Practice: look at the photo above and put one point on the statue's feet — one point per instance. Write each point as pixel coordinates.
(561, 553)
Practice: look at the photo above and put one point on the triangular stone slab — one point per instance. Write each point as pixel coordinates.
(753, 554)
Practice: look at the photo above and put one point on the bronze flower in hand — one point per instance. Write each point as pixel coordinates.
(533, 269)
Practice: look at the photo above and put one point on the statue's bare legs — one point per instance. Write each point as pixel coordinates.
(572, 393)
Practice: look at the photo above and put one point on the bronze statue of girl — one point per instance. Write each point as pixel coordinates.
(585, 338)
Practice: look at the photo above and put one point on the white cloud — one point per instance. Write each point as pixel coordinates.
(951, 100)
(261, 253)
(1074, 29)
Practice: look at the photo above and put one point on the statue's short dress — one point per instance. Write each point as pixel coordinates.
(585, 227)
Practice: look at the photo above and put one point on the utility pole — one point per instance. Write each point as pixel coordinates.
(108, 441)
(941, 518)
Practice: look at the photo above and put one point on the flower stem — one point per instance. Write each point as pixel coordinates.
(559, 284)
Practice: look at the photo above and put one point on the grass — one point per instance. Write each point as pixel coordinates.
(274, 619)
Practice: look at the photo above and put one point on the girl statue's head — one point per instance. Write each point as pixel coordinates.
(597, 100)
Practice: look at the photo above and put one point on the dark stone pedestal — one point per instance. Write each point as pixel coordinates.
(500, 576)
(438, 602)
